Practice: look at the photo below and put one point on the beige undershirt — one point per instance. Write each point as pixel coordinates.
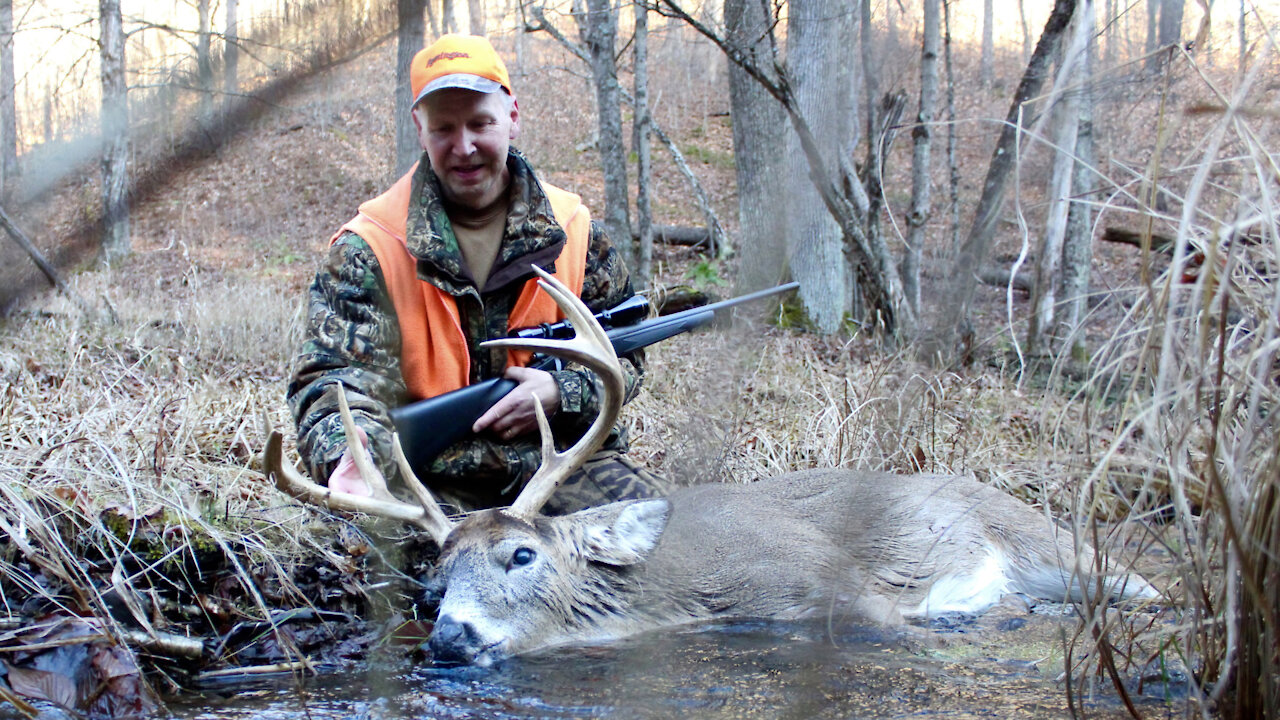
(479, 234)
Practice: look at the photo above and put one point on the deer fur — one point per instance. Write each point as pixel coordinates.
(865, 546)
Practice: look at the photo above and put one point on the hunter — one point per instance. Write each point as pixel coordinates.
(438, 264)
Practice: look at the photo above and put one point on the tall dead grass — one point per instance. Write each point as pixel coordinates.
(127, 453)
(1183, 440)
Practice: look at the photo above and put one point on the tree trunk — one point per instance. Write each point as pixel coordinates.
(1026, 29)
(1170, 22)
(230, 55)
(1242, 32)
(1153, 28)
(1044, 300)
(759, 137)
(48, 113)
(922, 137)
(1202, 42)
(1065, 114)
(598, 27)
(953, 166)
(986, 64)
(8, 101)
(953, 318)
(115, 133)
(1077, 252)
(640, 141)
(432, 22)
(475, 16)
(819, 61)
(839, 189)
(204, 63)
(447, 22)
(1109, 21)
(408, 43)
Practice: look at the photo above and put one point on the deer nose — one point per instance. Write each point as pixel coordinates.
(453, 642)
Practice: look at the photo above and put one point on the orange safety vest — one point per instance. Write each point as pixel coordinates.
(434, 358)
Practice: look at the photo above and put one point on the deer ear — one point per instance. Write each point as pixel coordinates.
(622, 533)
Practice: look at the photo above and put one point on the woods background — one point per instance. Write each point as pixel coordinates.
(1036, 242)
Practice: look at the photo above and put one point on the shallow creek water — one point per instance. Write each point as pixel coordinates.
(737, 669)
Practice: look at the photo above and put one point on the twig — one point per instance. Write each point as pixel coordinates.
(256, 670)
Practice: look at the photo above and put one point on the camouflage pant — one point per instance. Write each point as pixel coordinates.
(609, 476)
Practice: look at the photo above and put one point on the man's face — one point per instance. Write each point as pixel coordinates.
(466, 135)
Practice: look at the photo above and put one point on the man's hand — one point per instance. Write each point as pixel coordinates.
(346, 477)
(513, 415)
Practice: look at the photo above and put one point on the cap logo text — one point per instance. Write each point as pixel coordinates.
(446, 56)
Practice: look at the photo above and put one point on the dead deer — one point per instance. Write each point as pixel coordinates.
(872, 546)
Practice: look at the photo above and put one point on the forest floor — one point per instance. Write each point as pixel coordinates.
(135, 443)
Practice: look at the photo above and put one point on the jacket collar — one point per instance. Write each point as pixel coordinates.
(532, 235)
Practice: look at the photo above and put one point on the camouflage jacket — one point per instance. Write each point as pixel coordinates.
(353, 336)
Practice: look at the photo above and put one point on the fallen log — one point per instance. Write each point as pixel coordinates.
(679, 235)
(1159, 243)
(1000, 277)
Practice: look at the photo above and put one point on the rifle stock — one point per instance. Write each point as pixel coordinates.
(427, 427)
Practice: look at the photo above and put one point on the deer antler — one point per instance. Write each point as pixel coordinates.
(591, 347)
(381, 503)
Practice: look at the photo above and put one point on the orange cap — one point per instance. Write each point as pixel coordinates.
(461, 61)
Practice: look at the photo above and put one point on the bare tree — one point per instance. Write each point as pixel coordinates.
(820, 40)
(115, 133)
(1109, 22)
(1243, 34)
(953, 167)
(759, 133)
(1170, 22)
(230, 55)
(408, 43)
(953, 317)
(475, 16)
(1077, 251)
(1026, 29)
(715, 232)
(1065, 122)
(830, 173)
(448, 23)
(640, 141)
(432, 23)
(986, 65)
(204, 62)
(8, 100)
(598, 27)
(922, 136)
(1153, 26)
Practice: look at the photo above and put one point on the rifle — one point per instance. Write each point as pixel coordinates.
(429, 426)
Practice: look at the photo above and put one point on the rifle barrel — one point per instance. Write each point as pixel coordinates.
(429, 426)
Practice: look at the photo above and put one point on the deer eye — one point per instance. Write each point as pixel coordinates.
(522, 556)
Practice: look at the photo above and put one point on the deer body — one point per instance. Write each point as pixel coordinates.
(874, 546)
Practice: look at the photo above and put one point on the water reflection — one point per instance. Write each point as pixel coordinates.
(738, 669)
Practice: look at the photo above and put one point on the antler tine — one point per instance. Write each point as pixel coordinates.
(591, 348)
(291, 482)
(439, 524)
(359, 453)
(381, 503)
